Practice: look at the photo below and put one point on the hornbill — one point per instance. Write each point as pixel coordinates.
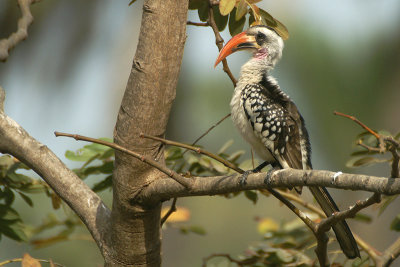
(269, 120)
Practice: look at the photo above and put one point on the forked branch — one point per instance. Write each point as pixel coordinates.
(22, 32)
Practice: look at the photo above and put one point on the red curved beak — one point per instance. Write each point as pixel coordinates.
(238, 42)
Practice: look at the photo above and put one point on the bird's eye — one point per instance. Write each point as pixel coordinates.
(260, 38)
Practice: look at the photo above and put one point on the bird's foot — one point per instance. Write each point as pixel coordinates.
(243, 179)
(268, 176)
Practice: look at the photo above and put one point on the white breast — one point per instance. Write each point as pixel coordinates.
(243, 125)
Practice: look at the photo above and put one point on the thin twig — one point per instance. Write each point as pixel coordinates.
(392, 144)
(390, 254)
(327, 223)
(20, 259)
(201, 24)
(219, 42)
(22, 32)
(393, 147)
(211, 128)
(180, 179)
(373, 253)
(369, 148)
(378, 136)
(171, 210)
(305, 204)
(197, 150)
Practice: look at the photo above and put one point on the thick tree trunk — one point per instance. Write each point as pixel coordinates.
(135, 227)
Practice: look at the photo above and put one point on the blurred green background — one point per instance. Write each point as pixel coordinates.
(70, 74)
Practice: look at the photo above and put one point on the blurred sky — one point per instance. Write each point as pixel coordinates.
(70, 74)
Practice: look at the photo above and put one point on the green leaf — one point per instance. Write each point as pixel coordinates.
(363, 161)
(33, 188)
(203, 11)
(220, 20)
(226, 6)
(6, 161)
(173, 153)
(193, 229)
(13, 230)
(27, 199)
(268, 19)
(80, 155)
(9, 214)
(363, 152)
(362, 217)
(8, 196)
(107, 154)
(105, 168)
(236, 26)
(251, 18)
(241, 10)
(395, 225)
(251, 195)
(284, 256)
(19, 178)
(195, 4)
(106, 183)
(274, 23)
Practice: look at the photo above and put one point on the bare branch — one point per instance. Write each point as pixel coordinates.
(21, 259)
(210, 129)
(219, 42)
(393, 147)
(170, 211)
(167, 188)
(390, 254)
(359, 123)
(197, 150)
(179, 178)
(201, 24)
(83, 201)
(22, 32)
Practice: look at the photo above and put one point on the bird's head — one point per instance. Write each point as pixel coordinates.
(263, 41)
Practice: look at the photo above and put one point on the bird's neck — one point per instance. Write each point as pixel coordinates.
(254, 71)
(258, 72)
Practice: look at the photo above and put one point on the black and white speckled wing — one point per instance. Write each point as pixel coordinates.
(274, 125)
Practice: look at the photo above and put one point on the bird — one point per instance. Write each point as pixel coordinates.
(269, 120)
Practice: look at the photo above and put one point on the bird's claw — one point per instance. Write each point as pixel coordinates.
(243, 179)
(268, 176)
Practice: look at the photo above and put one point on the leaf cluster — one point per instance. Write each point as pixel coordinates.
(98, 159)
(13, 183)
(237, 12)
(371, 150)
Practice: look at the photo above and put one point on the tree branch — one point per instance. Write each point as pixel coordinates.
(167, 188)
(327, 223)
(219, 41)
(195, 149)
(83, 201)
(22, 32)
(390, 254)
(179, 178)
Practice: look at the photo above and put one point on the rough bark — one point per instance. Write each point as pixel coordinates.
(165, 189)
(145, 107)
